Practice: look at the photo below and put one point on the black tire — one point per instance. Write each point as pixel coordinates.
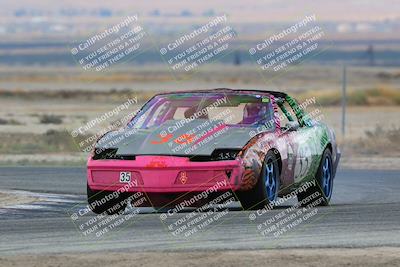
(99, 204)
(317, 192)
(257, 197)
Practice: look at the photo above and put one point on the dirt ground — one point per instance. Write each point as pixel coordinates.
(276, 257)
(7, 199)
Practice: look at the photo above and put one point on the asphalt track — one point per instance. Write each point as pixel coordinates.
(365, 212)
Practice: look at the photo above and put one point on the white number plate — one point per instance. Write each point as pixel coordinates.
(125, 177)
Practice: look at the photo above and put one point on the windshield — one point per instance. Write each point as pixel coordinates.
(231, 109)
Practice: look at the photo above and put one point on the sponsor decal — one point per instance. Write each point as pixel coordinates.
(183, 177)
(163, 139)
(185, 139)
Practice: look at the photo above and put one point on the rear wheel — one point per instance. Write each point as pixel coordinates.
(324, 183)
(106, 201)
(267, 187)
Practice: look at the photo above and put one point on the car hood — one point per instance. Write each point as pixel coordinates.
(197, 137)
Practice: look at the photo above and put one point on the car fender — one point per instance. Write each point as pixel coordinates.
(253, 155)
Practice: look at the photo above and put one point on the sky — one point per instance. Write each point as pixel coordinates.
(244, 11)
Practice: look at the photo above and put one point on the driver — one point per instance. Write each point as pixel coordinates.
(254, 113)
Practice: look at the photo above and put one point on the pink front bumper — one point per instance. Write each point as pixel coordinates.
(165, 174)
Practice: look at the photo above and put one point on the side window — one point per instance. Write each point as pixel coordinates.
(299, 114)
(286, 113)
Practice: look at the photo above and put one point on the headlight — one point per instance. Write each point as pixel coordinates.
(101, 153)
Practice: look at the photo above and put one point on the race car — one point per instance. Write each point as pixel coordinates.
(259, 145)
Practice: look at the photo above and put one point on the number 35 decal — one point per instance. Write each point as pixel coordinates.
(124, 177)
(303, 162)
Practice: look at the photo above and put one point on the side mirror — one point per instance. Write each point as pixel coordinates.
(292, 126)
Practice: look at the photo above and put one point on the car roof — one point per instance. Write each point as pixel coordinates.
(227, 90)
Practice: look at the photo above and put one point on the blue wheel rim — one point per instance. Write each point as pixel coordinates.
(271, 181)
(327, 177)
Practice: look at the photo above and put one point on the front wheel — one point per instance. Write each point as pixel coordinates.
(267, 187)
(106, 201)
(323, 183)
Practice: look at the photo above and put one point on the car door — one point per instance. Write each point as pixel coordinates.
(304, 141)
(287, 139)
(304, 144)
